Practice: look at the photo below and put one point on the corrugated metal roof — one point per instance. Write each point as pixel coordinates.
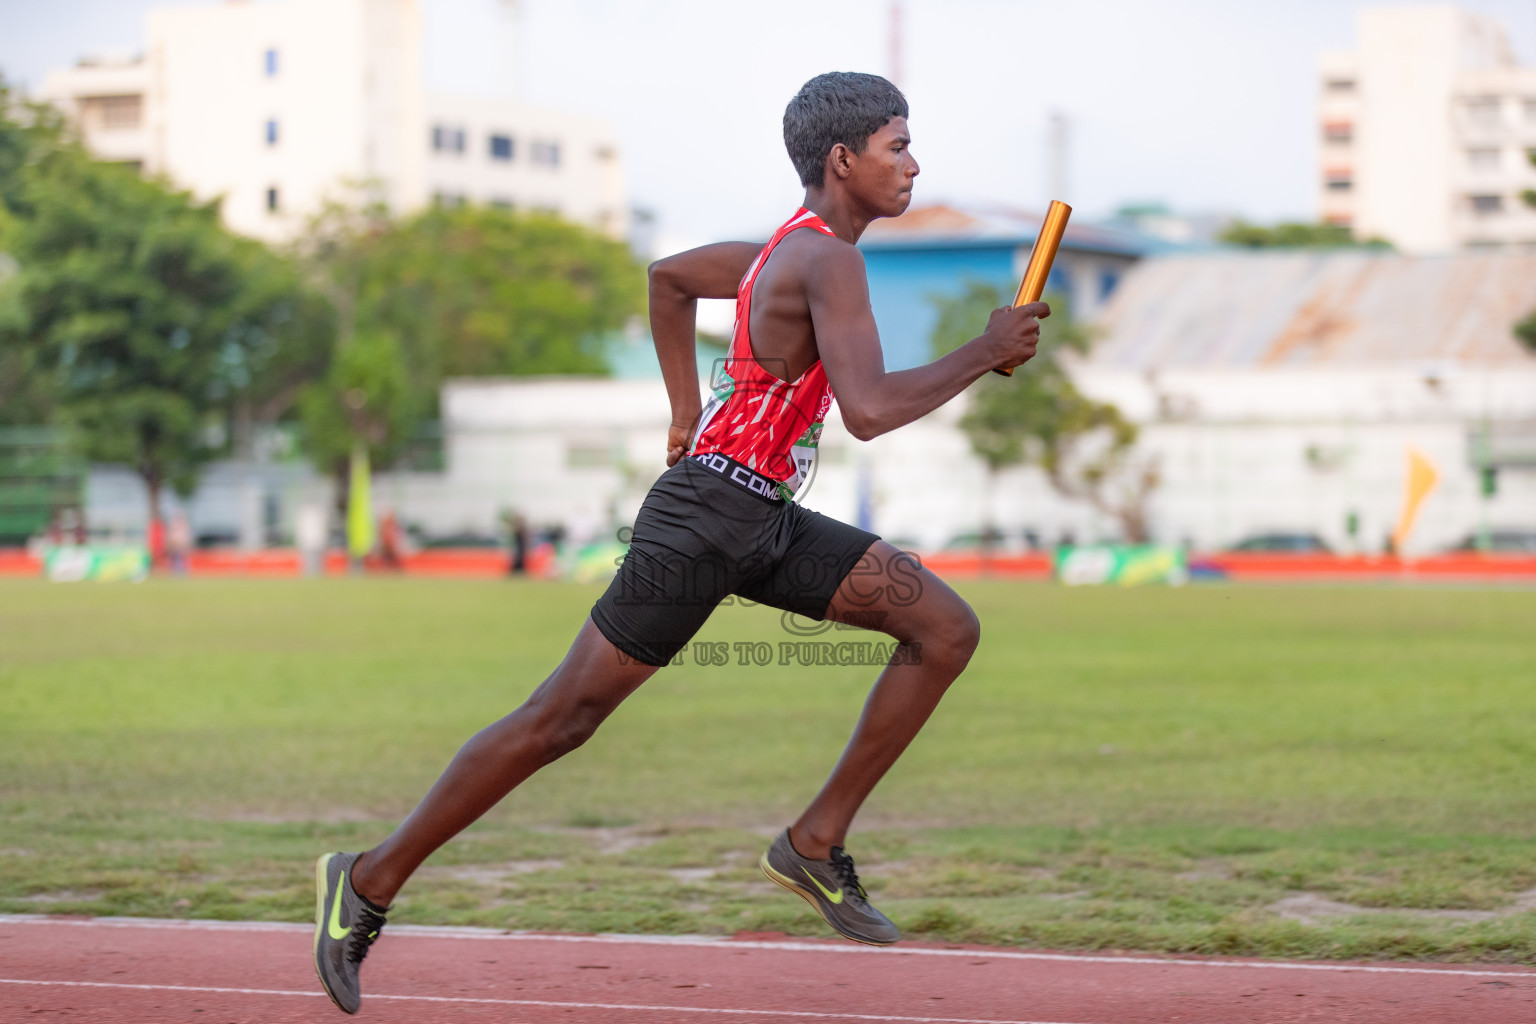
(1305, 308)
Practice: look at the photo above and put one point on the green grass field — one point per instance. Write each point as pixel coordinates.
(1136, 769)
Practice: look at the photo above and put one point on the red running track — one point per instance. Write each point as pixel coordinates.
(129, 971)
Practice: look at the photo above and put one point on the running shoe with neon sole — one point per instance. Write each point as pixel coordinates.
(346, 925)
(832, 887)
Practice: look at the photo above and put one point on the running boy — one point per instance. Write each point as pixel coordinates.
(720, 521)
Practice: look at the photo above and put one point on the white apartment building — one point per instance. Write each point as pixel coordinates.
(1426, 131)
(276, 106)
(519, 157)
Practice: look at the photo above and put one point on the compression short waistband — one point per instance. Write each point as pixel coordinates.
(751, 481)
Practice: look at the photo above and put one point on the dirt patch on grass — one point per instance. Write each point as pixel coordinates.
(608, 838)
(62, 896)
(1311, 909)
(490, 874)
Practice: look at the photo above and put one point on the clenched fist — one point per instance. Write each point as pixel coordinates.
(1013, 332)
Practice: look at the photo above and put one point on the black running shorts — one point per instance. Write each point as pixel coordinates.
(700, 537)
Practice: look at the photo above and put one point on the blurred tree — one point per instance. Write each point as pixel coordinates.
(1525, 330)
(26, 130)
(1293, 235)
(366, 398)
(142, 321)
(463, 291)
(1038, 417)
(381, 373)
(518, 293)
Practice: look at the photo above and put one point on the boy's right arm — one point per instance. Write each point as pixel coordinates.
(872, 400)
(676, 285)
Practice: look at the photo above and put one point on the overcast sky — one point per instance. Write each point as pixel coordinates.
(1204, 104)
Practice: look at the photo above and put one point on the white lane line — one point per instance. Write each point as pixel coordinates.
(633, 1007)
(716, 942)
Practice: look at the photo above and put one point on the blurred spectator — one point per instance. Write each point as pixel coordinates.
(309, 532)
(156, 541)
(391, 541)
(178, 543)
(517, 540)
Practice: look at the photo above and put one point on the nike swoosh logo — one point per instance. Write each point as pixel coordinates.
(333, 925)
(835, 897)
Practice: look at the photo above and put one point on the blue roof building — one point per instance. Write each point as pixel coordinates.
(937, 250)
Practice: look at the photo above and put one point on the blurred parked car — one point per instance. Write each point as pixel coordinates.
(1288, 543)
(994, 541)
(1521, 542)
(461, 539)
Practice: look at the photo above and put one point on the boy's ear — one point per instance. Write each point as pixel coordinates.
(840, 160)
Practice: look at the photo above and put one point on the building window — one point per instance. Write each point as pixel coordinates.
(1108, 279)
(546, 154)
(501, 147)
(1483, 111)
(608, 153)
(271, 200)
(1339, 180)
(1485, 206)
(1338, 132)
(1530, 109)
(117, 113)
(1483, 158)
(1339, 85)
(447, 140)
(269, 62)
(271, 131)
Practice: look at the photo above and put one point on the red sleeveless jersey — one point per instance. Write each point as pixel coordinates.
(770, 425)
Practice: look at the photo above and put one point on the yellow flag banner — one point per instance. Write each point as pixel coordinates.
(1422, 478)
(359, 506)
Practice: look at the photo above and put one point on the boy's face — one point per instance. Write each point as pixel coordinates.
(882, 175)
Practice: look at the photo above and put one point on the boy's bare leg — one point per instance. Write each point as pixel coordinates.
(938, 633)
(557, 718)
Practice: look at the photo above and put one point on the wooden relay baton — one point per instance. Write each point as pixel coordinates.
(1041, 258)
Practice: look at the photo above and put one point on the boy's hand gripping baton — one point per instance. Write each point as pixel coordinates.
(1041, 258)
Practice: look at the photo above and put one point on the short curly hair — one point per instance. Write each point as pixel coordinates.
(840, 106)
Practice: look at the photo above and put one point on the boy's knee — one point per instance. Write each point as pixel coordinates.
(950, 634)
(963, 630)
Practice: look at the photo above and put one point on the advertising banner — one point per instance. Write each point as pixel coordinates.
(107, 563)
(1125, 564)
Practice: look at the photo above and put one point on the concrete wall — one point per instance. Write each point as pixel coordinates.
(1294, 450)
